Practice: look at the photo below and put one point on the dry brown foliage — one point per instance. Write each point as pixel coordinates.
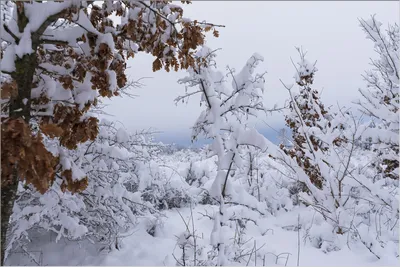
(23, 151)
(313, 114)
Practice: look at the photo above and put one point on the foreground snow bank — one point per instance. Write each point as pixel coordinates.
(274, 237)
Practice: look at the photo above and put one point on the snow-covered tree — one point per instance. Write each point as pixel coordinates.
(310, 123)
(225, 120)
(108, 208)
(309, 112)
(323, 161)
(58, 58)
(381, 96)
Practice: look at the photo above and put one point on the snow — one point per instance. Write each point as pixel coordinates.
(77, 173)
(105, 39)
(161, 249)
(83, 92)
(37, 13)
(112, 80)
(122, 136)
(273, 231)
(304, 69)
(229, 203)
(134, 13)
(8, 60)
(25, 43)
(68, 34)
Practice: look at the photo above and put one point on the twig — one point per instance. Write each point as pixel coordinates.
(298, 239)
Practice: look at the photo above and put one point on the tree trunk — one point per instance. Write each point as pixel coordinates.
(8, 194)
(20, 107)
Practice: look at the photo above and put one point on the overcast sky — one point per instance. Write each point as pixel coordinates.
(329, 31)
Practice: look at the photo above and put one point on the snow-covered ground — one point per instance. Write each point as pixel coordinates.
(274, 236)
(279, 246)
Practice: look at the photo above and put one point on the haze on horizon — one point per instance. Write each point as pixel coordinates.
(329, 31)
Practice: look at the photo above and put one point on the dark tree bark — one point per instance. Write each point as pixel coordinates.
(8, 194)
(20, 107)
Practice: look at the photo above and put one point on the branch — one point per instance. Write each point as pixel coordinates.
(7, 72)
(11, 33)
(211, 24)
(180, 98)
(55, 42)
(36, 35)
(203, 88)
(244, 205)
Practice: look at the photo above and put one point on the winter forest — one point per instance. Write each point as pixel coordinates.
(78, 187)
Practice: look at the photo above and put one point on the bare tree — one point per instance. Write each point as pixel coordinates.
(381, 96)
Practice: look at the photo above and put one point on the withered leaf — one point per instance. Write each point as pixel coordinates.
(157, 65)
(51, 130)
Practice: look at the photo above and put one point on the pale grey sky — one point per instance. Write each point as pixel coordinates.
(329, 31)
